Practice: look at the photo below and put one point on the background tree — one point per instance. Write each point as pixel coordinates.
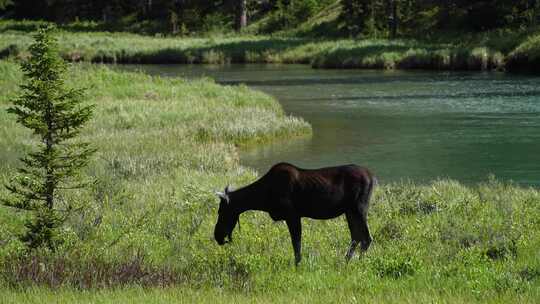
(413, 17)
(364, 16)
(56, 115)
(382, 18)
(241, 14)
(392, 17)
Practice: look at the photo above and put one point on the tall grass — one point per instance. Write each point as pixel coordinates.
(207, 295)
(165, 145)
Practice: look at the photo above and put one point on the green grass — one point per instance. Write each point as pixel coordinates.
(407, 54)
(146, 234)
(165, 146)
(482, 51)
(204, 295)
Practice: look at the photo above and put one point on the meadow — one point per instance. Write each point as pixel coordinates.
(501, 49)
(144, 230)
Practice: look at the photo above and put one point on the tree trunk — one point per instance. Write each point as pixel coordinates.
(393, 18)
(241, 14)
(49, 177)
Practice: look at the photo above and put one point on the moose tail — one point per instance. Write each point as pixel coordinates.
(365, 193)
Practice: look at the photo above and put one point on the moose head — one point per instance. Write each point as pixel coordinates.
(227, 218)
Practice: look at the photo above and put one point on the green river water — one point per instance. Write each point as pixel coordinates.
(403, 125)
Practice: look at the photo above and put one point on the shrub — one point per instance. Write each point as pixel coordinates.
(395, 267)
(55, 114)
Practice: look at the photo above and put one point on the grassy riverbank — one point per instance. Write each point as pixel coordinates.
(165, 145)
(514, 50)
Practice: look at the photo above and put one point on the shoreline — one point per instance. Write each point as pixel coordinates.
(400, 54)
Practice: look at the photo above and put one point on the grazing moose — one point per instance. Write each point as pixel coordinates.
(289, 193)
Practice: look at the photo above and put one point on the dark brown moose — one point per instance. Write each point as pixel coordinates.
(289, 193)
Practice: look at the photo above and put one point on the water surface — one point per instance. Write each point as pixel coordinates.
(415, 125)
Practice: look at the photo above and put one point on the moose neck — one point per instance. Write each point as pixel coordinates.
(250, 197)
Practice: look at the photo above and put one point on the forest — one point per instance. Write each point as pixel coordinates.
(381, 18)
(380, 34)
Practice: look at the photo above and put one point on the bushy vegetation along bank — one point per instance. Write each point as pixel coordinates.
(165, 146)
(494, 50)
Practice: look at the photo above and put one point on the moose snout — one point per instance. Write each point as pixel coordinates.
(223, 241)
(219, 240)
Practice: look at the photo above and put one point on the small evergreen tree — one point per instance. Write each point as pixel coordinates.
(56, 115)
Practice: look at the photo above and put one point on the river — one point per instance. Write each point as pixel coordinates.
(404, 125)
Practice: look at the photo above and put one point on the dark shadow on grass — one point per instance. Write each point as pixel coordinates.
(26, 26)
(237, 50)
(324, 30)
(228, 52)
(11, 50)
(425, 57)
(523, 63)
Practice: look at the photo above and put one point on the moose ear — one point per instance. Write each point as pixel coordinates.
(228, 189)
(223, 196)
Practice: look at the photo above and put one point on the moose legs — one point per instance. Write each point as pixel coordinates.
(295, 229)
(359, 231)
